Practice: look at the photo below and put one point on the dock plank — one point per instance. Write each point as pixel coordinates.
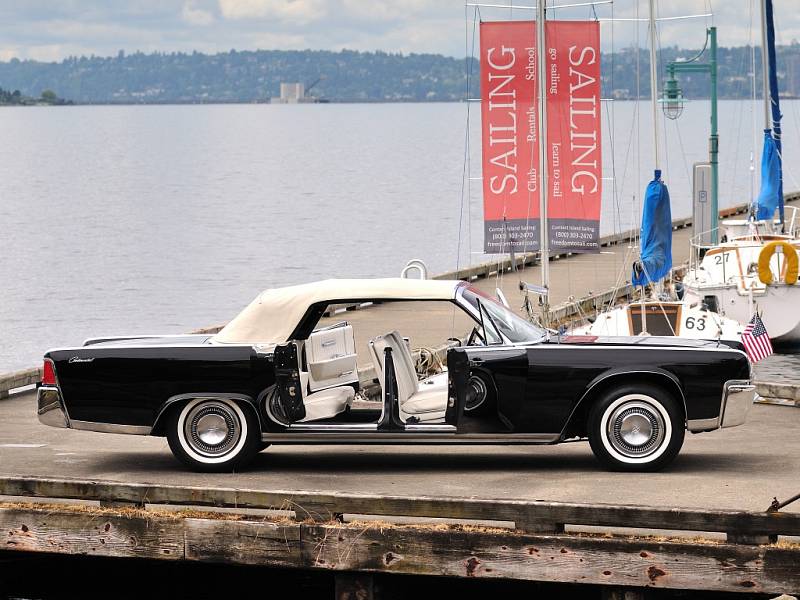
(65, 532)
(418, 550)
(563, 559)
(531, 515)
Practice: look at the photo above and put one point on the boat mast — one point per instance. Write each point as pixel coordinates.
(654, 105)
(544, 233)
(654, 83)
(765, 65)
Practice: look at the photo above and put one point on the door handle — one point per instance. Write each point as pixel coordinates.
(477, 361)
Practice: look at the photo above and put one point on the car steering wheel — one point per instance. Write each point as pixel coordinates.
(475, 336)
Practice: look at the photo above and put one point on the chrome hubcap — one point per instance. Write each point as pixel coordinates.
(212, 428)
(635, 429)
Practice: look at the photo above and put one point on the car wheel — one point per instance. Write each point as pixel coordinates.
(636, 427)
(214, 434)
(481, 395)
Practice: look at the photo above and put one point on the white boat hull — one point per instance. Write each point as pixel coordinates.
(683, 319)
(777, 304)
(729, 272)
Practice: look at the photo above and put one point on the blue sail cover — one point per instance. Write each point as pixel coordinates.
(656, 259)
(770, 194)
(775, 103)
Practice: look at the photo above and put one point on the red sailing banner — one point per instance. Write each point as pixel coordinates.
(510, 132)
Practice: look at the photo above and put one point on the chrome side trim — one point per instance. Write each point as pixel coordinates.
(111, 427)
(112, 338)
(432, 428)
(367, 427)
(135, 347)
(344, 427)
(409, 438)
(697, 425)
(50, 408)
(737, 400)
(540, 345)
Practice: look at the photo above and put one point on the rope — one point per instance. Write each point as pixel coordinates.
(428, 362)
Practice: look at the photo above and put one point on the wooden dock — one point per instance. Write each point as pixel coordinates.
(328, 532)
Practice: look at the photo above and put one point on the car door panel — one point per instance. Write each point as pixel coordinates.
(287, 376)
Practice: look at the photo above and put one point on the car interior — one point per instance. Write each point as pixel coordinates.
(328, 368)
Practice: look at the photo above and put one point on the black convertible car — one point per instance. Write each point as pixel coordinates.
(289, 370)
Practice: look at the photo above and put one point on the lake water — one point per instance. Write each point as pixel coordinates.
(142, 219)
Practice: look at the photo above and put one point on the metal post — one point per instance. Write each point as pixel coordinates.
(544, 228)
(691, 66)
(713, 149)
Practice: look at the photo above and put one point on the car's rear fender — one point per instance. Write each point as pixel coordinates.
(174, 402)
(576, 422)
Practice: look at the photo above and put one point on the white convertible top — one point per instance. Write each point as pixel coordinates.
(274, 314)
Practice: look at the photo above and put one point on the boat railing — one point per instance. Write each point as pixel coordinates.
(732, 230)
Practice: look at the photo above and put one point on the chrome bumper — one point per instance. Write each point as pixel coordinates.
(738, 396)
(737, 400)
(51, 409)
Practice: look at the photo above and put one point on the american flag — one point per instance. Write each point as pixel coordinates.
(755, 339)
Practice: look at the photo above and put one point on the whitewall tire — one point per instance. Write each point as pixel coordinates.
(636, 427)
(214, 434)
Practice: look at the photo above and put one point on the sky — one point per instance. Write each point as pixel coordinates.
(50, 30)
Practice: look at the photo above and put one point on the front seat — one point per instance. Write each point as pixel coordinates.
(427, 400)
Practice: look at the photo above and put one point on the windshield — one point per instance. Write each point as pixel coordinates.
(497, 317)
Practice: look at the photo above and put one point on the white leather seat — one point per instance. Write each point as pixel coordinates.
(327, 403)
(425, 400)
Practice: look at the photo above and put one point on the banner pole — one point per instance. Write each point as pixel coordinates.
(544, 233)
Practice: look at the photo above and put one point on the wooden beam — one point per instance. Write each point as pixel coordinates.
(559, 559)
(365, 548)
(323, 506)
(37, 530)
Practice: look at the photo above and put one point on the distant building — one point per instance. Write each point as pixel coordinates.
(293, 93)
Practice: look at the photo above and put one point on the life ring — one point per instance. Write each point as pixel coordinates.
(765, 273)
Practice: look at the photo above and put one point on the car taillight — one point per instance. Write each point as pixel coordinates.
(48, 372)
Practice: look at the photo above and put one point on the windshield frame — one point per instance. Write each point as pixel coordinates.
(479, 304)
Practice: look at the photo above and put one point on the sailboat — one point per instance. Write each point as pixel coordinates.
(662, 314)
(755, 267)
(665, 314)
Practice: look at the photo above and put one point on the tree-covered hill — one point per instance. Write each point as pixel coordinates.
(344, 76)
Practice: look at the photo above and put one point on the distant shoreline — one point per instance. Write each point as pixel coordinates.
(257, 102)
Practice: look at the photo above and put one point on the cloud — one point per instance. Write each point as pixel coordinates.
(196, 16)
(47, 30)
(302, 11)
(389, 10)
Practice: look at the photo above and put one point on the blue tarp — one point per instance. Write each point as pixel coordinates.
(656, 258)
(770, 195)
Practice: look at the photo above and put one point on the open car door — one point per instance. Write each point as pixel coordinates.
(331, 357)
(287, 378)
(457, 384)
